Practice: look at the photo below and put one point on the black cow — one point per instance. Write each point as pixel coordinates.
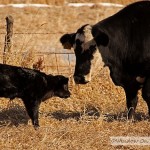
(123, 40)
(32, 87)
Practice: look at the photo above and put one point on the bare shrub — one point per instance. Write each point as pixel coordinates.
(39, 65)
(27, 59)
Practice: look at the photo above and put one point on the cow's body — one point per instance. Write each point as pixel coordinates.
(31, 86)
(123, 41)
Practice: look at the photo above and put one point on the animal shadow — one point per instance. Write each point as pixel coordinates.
(13, 116)
(94, 113)
(122, 117)
(89, 111)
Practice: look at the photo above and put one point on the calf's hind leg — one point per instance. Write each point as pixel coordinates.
(32, 107)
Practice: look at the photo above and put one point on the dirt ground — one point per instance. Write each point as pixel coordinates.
(91, 116)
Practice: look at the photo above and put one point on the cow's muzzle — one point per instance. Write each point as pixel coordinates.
(80, 80)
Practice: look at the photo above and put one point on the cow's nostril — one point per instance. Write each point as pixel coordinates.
(77, 79)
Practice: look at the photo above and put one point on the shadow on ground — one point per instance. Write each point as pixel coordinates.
(122, 117)
(88, 111)
(13, 116)
(17, 115)
(93, 112)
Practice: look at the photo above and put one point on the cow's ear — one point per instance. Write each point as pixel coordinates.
(67, 40)
(100, 37)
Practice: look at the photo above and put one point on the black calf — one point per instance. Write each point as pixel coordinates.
(32, 87)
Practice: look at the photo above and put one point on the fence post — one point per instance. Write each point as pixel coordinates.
(8, 37)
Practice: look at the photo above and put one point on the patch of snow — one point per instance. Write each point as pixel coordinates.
(25, 5)
(92, 4)
(80, 4)
(2, 5)
(67, 4)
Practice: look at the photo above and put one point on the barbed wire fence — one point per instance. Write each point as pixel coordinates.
(51, 60)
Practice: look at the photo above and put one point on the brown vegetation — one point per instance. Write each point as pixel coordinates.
(92, 114)
(106, 1)
(62, 2)
(52, 2)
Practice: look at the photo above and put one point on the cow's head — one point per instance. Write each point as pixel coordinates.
(61, 88)
(85, 49)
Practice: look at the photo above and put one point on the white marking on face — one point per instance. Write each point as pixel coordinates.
(88, 77)
(85, 37)
(86, 46)
(80, 37)
(87, 33)
(140, 79)
(96, 63)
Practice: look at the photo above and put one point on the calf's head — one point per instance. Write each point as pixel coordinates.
(61, 87)
(88, 59)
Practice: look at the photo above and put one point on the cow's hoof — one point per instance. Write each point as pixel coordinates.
(36, 127)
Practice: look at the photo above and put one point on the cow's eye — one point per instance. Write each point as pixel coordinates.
(78, 42)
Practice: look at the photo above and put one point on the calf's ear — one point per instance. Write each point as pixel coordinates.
(66, 80)
(100, 37)
(67, 40)
(62, 78)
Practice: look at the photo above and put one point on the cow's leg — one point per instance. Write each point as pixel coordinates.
(32, 108)
(131, 100)
(146, 93)
(130, 85)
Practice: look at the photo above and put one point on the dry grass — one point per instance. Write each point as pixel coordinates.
(107, 1)
(92, 114)
(60, 2)
(52, 2)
